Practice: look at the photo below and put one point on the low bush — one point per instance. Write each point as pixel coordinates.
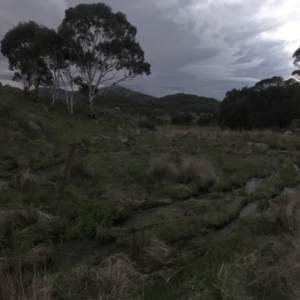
(148, 124)
(175, 168)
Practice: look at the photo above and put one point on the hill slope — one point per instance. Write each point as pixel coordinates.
(137, 103)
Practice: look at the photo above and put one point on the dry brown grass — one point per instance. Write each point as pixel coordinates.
(273, 268)
(154, 257)
(198, 171)
(20, 283)
(112, 279)
(37, 256)
(23, 180)
(123, 202)
(167, 167)
(176, 168)
(12, 218)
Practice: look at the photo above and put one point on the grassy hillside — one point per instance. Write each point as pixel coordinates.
(181, 213)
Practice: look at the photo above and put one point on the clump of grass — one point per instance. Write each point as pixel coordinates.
(111, 280)
(12, 218)
(199, 171)
(15, 283)
(153, 257)
(175, 168)
(166, 168)
(23, 180)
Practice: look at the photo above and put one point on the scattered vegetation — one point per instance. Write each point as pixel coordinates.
(157, 210)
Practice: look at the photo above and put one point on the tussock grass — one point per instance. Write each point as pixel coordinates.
(199, 171)
(17, 284)
(14, 217)
(166, 168)
(155, 256)
(175, 168)
(23, 180)
(111, 280)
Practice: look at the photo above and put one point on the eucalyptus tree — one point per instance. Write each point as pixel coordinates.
(104, 46)
(22, 47)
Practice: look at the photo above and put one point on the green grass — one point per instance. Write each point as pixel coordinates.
(116, 185)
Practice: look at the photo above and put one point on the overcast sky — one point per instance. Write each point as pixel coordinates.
(203, 47)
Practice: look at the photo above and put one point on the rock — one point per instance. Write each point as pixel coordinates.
(252, 185)
(259, 145)
(248, 211)
(288, 133)
(288, 191)
(117, 108)
(119, 128)
(34, 126)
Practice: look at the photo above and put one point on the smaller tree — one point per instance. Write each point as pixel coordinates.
(205, 119)
(21, 45)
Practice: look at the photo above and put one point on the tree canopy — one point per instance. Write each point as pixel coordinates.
(104, 46)
(93, 48)
(268, 103)
(24, 50)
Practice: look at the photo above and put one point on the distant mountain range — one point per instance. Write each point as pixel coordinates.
(120, 91)
(134, 102)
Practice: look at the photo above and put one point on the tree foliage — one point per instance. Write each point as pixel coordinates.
(24, 50)
(92, 47)
(182, 119)
(267, 104)
(104, 46)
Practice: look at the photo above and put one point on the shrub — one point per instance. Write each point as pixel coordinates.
(184, 119)
(89, 218)
(23, 180)
(175, 168)
(199, 171)
(204, 119)
(148, 124)
(166, 168)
